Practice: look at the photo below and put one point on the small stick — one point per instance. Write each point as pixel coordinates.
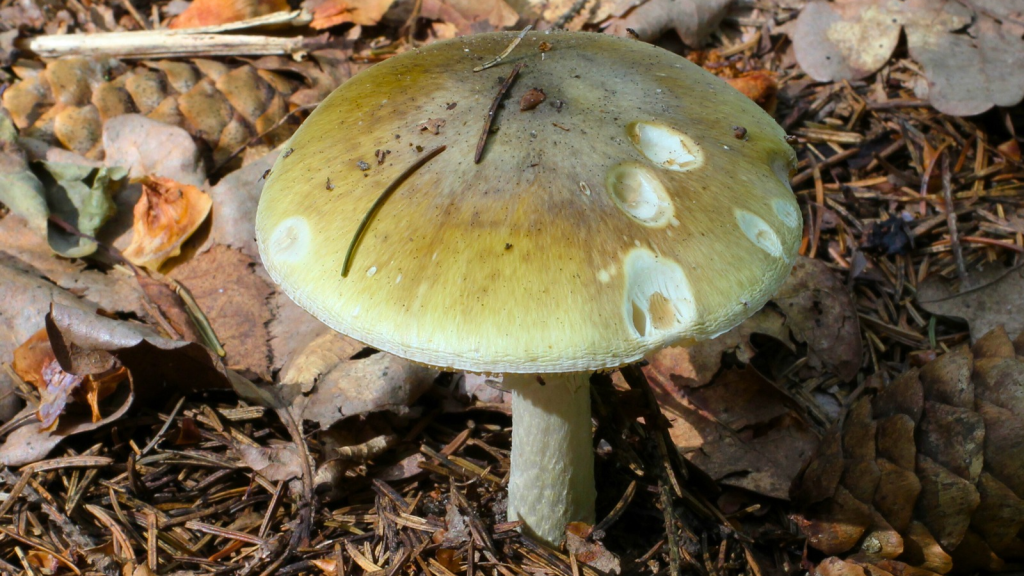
(163, 429)
(380, 201)
(954, 236)
(151, 545)
(507, 51)
(138, 18)
(494, 110)
(619, 508)
(163, 44)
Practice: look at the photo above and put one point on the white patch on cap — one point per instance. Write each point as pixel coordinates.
(290, 241)
(639, 193)
(787, 212)
(783, 170)
(666, 147)
(604, 277)
(759, 232)
(658, 297)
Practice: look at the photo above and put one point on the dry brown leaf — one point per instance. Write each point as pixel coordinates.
(471, 389)
(147, 147)
(693, 20)
(214, 12)
(762, 451)
(291, 330)
(590, 552)
(997, 298)
(25, 298)
(96, 387)
(327, 13)
(277, 462)
(812, 308)
(234, 299)
(35, 363)
(31, 357)
(379, 382)
(331, 380)
(317, 359)
(114, 290)
(971, 53)
(471, 16)
(733, 423)
(821, 314)
(761, 86)
(166, 215)
(57, 387)
(34, 441)
(153, 361)
(236, 197)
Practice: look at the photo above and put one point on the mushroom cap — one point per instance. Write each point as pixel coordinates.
(623, 214)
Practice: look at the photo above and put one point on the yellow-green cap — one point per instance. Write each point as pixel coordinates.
(644, 202)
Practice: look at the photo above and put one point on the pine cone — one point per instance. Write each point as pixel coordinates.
(927, 476)
(225, 107)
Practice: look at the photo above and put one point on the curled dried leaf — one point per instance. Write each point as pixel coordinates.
(165, 216)
(214, 12)
(970, 52)
(328, 13)
(53, 397)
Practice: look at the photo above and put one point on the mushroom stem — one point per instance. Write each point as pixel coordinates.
(551, 482)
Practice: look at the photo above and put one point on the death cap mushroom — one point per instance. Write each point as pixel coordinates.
(620, 215)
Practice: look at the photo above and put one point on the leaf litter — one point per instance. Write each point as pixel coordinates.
(970, 52)
(409, 462)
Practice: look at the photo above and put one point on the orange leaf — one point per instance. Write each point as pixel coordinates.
(31, 357)
(214, 12)
(165, 216)
(760, 86)
(99, 386)
(1010, 150)
(328, 13)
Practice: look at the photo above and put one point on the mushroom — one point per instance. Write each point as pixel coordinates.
(619, 216)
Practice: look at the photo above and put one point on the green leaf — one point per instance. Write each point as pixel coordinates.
(80, 195)
(20, 190)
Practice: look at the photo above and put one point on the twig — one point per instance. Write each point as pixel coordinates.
(962, 292)
(408, 30)
(619, 508)
(380, 201)
(163, 429)
(954, 237)
(829, 162)
(898, 103)
(135, 14)
(494, 110)
(207, 41)
(506, 52)
(225, 533)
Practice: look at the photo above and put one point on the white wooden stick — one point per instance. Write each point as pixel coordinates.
(206, 41)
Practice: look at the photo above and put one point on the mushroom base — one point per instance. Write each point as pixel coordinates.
(551, 482)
